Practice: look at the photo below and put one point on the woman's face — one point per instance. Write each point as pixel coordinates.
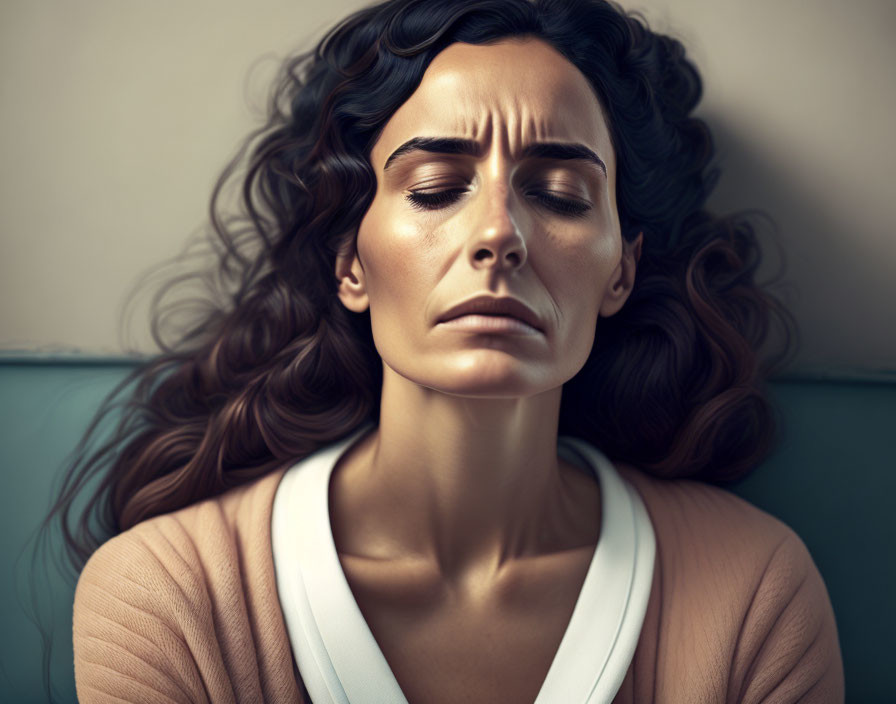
(495, 215)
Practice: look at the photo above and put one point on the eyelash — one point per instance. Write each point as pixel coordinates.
(433, 201)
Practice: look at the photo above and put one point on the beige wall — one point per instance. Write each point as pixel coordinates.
(117, 116)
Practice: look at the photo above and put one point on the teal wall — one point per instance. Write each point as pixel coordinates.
(832, 479)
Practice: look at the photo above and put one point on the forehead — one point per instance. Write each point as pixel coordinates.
(510, 93)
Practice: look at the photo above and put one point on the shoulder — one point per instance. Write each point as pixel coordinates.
(705, 532)
(701, 514)
(747, 580)
(169, 551)
(160, 609)
(138, 604)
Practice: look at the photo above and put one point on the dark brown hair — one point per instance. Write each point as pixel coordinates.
(276, 367)
(279, 367)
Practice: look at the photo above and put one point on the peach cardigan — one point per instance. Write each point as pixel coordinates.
(184, 607)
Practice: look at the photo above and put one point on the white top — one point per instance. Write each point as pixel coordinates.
(338, 658)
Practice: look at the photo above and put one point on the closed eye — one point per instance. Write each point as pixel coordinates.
(439, 199)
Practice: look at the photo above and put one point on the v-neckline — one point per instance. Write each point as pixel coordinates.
(340, 660)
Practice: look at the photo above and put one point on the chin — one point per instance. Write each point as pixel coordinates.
(481, 377)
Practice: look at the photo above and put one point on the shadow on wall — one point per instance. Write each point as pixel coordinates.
(838, 279)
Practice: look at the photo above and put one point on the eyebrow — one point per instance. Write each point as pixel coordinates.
(536, 150)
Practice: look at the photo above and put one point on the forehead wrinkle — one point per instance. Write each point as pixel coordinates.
(474, 114)
(479, 117)
(476, 117)
(472, 124)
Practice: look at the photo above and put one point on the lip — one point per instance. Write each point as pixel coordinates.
(495, 306)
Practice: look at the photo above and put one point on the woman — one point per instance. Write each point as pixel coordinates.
(442, 443)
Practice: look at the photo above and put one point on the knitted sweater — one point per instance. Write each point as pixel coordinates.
(184, 607)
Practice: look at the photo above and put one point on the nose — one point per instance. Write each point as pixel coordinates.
(497, 242)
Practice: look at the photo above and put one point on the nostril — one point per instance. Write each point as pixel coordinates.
(512, 258)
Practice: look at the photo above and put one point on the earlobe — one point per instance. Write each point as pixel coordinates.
(623, 280)
(352, 289)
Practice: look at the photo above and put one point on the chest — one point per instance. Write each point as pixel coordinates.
(494, 648)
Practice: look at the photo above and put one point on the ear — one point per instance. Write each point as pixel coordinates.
(350, 274)
(622, 281)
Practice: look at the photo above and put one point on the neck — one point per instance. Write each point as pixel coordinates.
(469, 485)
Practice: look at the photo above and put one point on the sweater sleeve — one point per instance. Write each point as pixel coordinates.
(135, 626)
(788, 649)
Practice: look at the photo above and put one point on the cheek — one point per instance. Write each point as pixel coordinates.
(580, 284)
(580, 275)
(398, 258)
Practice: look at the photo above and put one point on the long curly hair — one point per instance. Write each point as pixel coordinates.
(276, 367)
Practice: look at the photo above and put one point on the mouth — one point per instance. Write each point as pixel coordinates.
(478, 322)
(492, 314)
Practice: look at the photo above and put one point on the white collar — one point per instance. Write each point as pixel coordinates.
(340, 661)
